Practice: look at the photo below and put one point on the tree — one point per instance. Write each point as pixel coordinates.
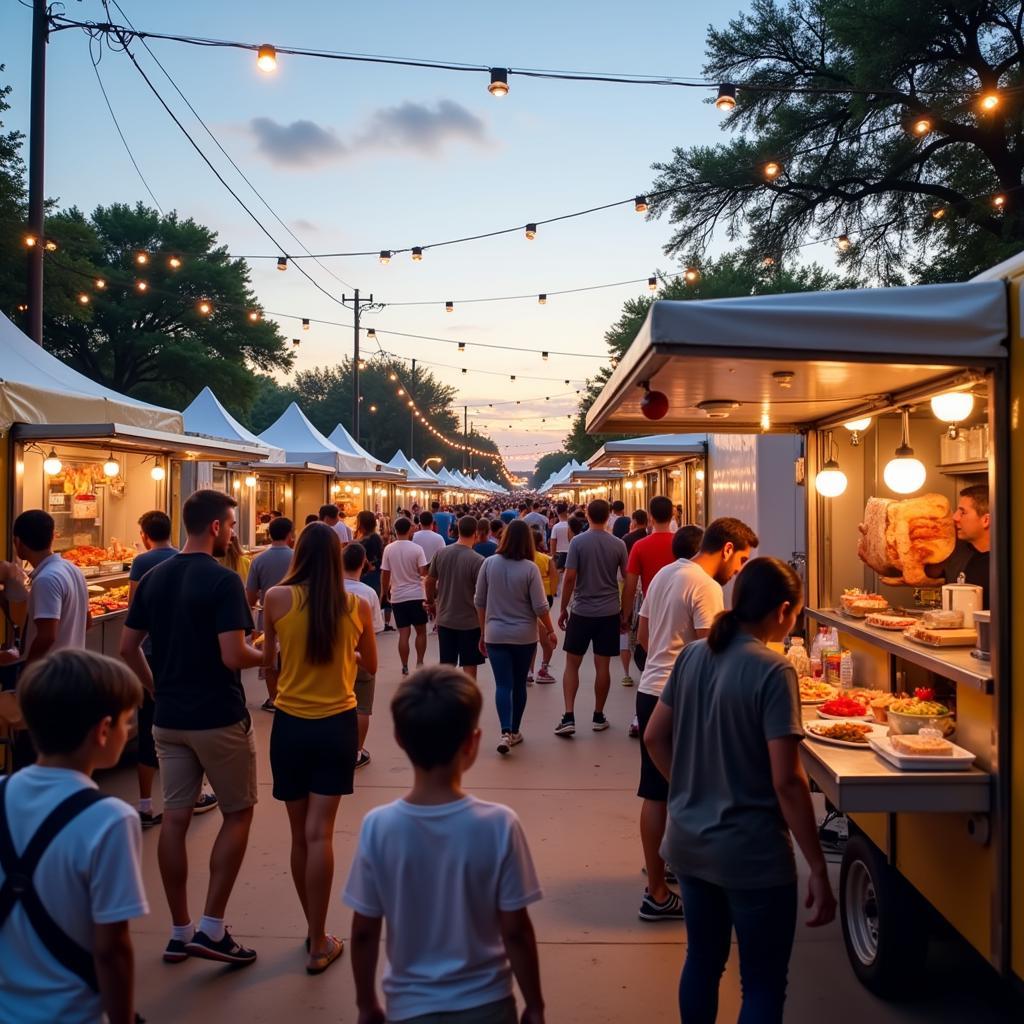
(546, 465)
(730, 276)
(271, 399)
(893, 150)
(12, 215)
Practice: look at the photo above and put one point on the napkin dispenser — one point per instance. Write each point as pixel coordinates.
(962, 597)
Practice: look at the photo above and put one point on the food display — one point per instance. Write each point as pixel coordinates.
(85, 556)
(907, 715)
(843, 707)
(929, 754)
(880, 707)
(942, 637)
(893, 622)
(109, 602)
(918, 706)
(942, 618)
(864, 696)
(842, 733)
(899, 539)
(922, 746)
(814, 691)
(107, 561)
(858, 603)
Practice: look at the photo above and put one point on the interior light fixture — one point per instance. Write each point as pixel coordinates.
(51, 464)
(111, 467)
(499, 82)
(830, 480)
(904, 473)
(856, 428)
(266, 59)
(953, 407)
(726, 99)
(158, 473)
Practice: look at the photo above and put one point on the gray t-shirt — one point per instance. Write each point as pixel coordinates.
(513, 594)
(456, 568)
(268, 569)
(724, 821)
(599, 560)
(538, 519)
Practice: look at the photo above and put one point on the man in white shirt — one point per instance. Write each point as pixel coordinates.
(401, 582)
(679, 606)
(329, 514)
(427, 538)
(353, 560)
(558, 545)
(58, 600)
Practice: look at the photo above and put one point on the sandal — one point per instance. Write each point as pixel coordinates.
(318, 963)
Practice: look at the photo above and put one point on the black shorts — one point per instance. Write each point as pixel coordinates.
(147, 746)
(602, 631)
(409, 613)
(313, 755)
(551, 600)
(459, 646)
(560, 557)
(653, 785)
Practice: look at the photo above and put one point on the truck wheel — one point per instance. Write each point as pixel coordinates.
(883, 928)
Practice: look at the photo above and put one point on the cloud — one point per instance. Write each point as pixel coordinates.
(409, 126)
(301, 224)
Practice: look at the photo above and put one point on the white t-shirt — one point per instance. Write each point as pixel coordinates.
(91, 874)
(681, 599)
(560, 535)
(403, 560)
(369, 595)
(439, 875)
(430, 542)
(58, 591)
(343, 531)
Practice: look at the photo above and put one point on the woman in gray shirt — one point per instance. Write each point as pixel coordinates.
(510, 600)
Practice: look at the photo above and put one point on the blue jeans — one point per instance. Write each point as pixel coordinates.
(510, 664)
(765, 923)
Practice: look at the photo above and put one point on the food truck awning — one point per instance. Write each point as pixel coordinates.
(206, 417)
(593, 476)
(642, 454)
(787, 362)
(37, 388)
(141, 439)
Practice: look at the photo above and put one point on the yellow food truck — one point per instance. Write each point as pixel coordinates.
(904, 398)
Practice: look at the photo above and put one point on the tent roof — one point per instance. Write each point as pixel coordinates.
(302, 442)
(642, 454)
(37, 388)
(831, 343)
(414, 474)
(446, 477)
(206, 417)
(367, 463)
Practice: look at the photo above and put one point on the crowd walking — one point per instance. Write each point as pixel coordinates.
(447, 877)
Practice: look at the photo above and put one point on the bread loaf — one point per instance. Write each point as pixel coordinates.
(921, 746)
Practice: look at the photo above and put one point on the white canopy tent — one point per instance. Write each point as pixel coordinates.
(368, 464)
(415, 475)
(445, 476)
(206, 417)
(302, 442)
(561, 477)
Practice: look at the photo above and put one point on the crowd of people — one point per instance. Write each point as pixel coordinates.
(717, 716)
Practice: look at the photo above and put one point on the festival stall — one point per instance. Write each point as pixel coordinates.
(420, 486)
(372, 486)
(902, 397)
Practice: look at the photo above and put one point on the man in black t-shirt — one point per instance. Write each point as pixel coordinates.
(619, 522)
(196, 614)
(970, 557)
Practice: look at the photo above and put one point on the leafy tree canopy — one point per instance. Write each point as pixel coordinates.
(897, 152)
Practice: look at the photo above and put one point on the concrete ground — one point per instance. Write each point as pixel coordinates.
(577, 802)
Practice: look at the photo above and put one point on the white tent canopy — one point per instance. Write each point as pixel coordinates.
(445, 476)
(206, 417)
(414, 474)
(302, 442)
(561, 477)
(37, 388)
(347, 445)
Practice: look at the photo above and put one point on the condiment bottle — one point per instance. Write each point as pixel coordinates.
(798, 657)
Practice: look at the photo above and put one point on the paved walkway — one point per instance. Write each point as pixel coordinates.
(576, 801)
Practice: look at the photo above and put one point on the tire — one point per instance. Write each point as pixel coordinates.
(883, 923)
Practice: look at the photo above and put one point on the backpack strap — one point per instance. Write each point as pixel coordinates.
(19, 886)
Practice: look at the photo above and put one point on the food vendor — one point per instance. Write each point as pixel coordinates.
(970, 556)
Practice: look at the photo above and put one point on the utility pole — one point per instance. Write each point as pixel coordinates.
(471, 454)
(36, 196)
(357, 308)
(412, 415)
(465, 435)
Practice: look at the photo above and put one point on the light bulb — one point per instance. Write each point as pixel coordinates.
(831, 480)
(266, 59)
(142, 258)
(999, 201)
(111, 466)
(305, 323)
(904, 474)
(691, 275)
(652, 283)
(204, 308)
(938, 212)
(531, 231)
(30, 241)
(282, 262)
(254, 315)
(990, 100)
(174, 262)
(699, 474)
(542, 299)
(921, 126)
(385, 256)
(499, 82)
(843, 243)
(83, 299)
(141, 286)
(855, 426)
(449, 306)
(51, 464)
(250, 481)
(726, 99)
(640, 204)
(101, 283)
(772, 169)
(417, 253)
(157, 473)
(953, 406)
(50, 245)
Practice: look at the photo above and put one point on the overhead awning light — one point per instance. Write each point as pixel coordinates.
(830, 480)
(726, 99)
(640, 204)
(499, 82)
(531, 231)
(111, 467)
(282, 262)
(51, 464)
(904, 474)
(157, 473)
(856, 428)
(266, 59)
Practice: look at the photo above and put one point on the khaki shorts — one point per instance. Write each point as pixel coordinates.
(365, 686)
(227, 756)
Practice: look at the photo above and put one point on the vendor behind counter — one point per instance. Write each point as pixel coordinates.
(970, 557)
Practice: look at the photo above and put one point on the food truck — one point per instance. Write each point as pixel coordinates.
(903, 398)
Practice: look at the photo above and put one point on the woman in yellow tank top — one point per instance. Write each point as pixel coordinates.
(316, 634)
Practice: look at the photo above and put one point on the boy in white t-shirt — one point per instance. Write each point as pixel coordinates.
(65, 948)
(403, 567)
(451, 874)
(353, 562)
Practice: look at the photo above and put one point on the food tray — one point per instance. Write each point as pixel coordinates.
(959, 760)
(894, 628)
(89, 570)
(876, 730)
(868, 717)
(950, 638)
(110, 566)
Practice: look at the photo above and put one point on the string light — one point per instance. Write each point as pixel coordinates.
(141, 286)
(544, 356)
(266, 59)
(174, 262)
(385, 256)
(542, 299)
(462, 346)
(771, 170)
(204, 308)
(30, 241)
(101, 283)
(990, 100)
(449, 306)
(938, 212)
(50, 245)
(305, 323)
(417, 253)
(373, 408)
(499, 82)
(726, 99)
(640, 204)
(691, 275)
(83, 299)
(254, 316)
(652, 283)
(142, 258)
(531, 231)
(282, 262)
(999, 201)
(921, 126)
(843, 243)
(296, 342)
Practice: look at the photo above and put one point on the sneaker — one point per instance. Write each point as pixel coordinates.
(405, 670)
(634, 728)
(670, 910)
(268, 705)
(388, 628)
(227, 951)
(362, 759)
(670, 875)
(544, 676)
(516, 738)
(206, 802)
(567, 726)
(505, 743)
(600, 723)
(627, 680)
(175, 952)
(529, 677)
(147, 819)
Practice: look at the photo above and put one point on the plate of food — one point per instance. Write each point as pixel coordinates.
(921, 753)
(863, 694)
(815, 691)
(908, 715)
(843, 707)
(896, 623)
(857, 603)
(844, 732)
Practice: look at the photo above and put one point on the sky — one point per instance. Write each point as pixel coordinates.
(366, 157)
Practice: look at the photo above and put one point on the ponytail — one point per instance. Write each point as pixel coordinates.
(763, 586)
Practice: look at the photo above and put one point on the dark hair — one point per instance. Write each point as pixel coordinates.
(435, 506)
(366, 521)
(524, 507)
(353, 556)
(763, 585)
(467, 526)
(516, 542)
(978, 493)
(402, 526)
(618, 506)
(280, 528)
(312, 518)
(156, 525)
(538, 538)
(69, 692)
(34, 529)
(483, 525)
(497, 526)
(561, 508)
(275, 512)
(536, 504)
(204, 508)
(426, 519)
(728, 531)
(328, 512)
(576, 525)
(640, 517)
(598, 511)
(316, 567)
(661, 509)
(435, 711)
(686, 541)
